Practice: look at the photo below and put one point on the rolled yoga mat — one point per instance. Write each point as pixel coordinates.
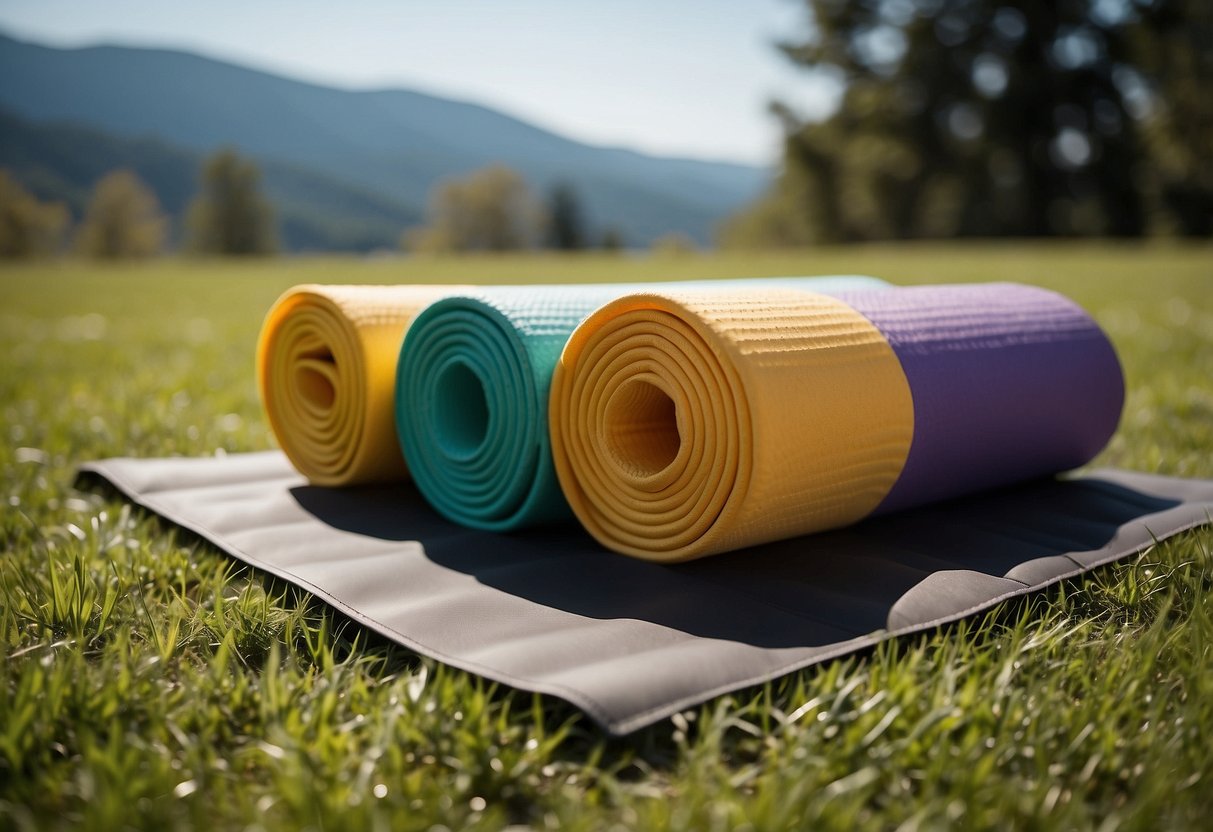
(686, 424)
(326, 370)
(472, 393)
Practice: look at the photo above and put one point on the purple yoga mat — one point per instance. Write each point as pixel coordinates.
(1009, 382)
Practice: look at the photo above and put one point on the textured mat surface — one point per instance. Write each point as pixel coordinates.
(687, 423)
(472, 392)
(630, 641)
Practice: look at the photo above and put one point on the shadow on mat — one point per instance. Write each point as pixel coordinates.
(890, 572)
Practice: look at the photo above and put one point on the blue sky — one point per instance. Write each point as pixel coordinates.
(676, 77)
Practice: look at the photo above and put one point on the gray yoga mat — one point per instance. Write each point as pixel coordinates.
(631, 642)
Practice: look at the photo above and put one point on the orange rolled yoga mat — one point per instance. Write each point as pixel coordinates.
(686, 424)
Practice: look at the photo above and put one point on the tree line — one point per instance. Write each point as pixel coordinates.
(996, 118)
(123, 218)
(489, 210)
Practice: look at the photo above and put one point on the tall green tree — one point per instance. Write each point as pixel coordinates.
(566, 228)
(123, 219)
(1173, 47)
(229, 216)
(976, 118)
(491, 209)
(28, 227)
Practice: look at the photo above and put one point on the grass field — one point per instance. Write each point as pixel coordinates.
(146, 681)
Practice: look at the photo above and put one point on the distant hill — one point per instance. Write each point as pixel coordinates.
(315, 211)
(394, 144)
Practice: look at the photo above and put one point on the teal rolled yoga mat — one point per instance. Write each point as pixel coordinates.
(472, 393)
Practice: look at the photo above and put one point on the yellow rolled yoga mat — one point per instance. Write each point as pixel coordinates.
(689, 423)
(659, 398)
(326, 370)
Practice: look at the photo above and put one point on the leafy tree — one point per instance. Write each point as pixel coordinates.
(229, 215)
(982, 118)
(1173, 47)
(489, 210)
(566, 231)
(28, 227)
(789, 214)
(123, 219)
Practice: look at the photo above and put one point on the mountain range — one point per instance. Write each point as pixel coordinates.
(345, 169)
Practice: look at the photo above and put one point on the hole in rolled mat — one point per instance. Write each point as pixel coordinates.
(461, 410)
(641, 428)
(315, 386)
